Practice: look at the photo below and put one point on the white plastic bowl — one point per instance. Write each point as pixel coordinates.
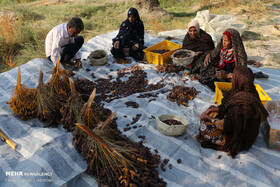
(171, 130)
(183, 61)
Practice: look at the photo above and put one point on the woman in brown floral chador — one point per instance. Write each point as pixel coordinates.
(220, 62)
(234, 125)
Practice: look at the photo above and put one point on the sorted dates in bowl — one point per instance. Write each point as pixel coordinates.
(182, 54)
(98, 56)
(172, 122)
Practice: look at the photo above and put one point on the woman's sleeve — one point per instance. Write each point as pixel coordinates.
(140, 35)
(208, 42)
(215, 53)
(118, 37)
(185, 42)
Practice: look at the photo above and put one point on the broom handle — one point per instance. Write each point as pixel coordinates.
(8, 140)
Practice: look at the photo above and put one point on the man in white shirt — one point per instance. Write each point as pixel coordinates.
(63, 41)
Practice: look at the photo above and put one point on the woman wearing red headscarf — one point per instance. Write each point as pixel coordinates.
(219, 64)
(234, 125)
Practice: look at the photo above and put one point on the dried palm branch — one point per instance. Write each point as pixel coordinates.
(88, 116)
(49, 103)
(23, 100)
(71, 110)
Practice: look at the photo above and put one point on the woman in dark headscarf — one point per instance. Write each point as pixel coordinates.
(197, 40)
(234, 125)
(130, 39)
(219, 64)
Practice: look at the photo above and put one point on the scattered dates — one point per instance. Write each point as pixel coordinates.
(147, 95)
(107, 90)
(132, 104)
(182, 94)
(172, 122)
(123, 61)
(137, 117)
(170, 68)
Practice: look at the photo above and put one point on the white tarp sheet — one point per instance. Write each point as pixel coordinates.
(213, 24)
(50, 151)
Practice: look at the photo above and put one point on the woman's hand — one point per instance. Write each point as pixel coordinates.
(221, 75)
(229, 76)
(204, 116)
(78, 63)
(207, 60)
(117, 45)
(198, 53)
(135, 47)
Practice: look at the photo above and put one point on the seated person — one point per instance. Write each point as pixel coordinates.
(219, 64)
(234, 125)
(130, 39)
(63, 41)
(197, 40)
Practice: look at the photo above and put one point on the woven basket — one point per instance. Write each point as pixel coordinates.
(171, 130)
(183, 61)
(98, 57)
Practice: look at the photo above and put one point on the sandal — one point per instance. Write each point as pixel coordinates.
(260, 75)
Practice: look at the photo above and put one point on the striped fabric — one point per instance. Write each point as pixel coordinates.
(49, 151)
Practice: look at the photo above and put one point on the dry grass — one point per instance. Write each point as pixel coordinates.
(9, 41)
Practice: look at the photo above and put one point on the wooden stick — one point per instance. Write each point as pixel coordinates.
(96, 138)
(40, 84)
(8, 140)
(18, 78)
(93, 135)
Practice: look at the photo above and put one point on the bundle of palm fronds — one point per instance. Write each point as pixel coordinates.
(23, 100)
(105, 158)
(49, 103)
(88, 116)
(72, 109)
(114, 159)
(59, 83)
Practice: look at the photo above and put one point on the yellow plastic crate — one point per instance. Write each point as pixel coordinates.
(160, 59)
(226, 86)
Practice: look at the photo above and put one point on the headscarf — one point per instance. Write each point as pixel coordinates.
(228, 35)
(242, 110)
(132, 31)
(194, 23)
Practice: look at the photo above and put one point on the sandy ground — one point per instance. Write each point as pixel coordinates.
(262, 39)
